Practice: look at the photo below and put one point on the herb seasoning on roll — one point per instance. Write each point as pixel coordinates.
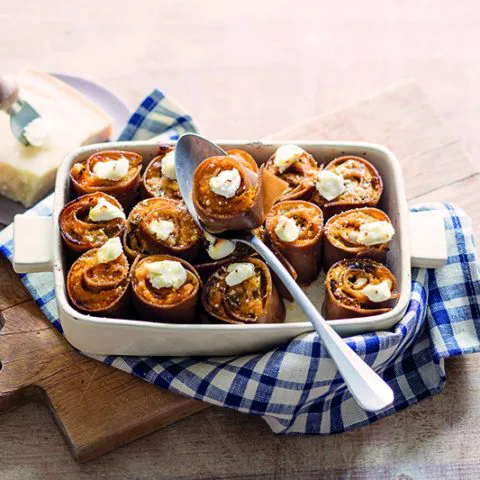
(160, 179)
(232, 193)
(114, 172)
(98, 281)
(357, 233)
(345, 183)
(294, 229)
(90, 220)
(161, 225)
(243, 292)
(165, 289)
(358, 288)
(297, 167)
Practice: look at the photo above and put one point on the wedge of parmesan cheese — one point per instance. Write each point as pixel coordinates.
(28, 173)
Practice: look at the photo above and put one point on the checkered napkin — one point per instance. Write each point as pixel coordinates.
(296, 388)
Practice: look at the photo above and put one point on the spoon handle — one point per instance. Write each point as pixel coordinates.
(369, 390)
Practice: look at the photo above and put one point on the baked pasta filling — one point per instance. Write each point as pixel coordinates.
(296, 167)
(360, 284)
(164, 282)
(297, 223)
(238, 291)
(359, 228)
(107, 168)
(349, 180)
(99, 278)
(90, 220)
(159, 179)
(162, 224)
(225, 185)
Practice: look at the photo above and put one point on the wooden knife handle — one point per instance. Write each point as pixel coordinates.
(8, 91)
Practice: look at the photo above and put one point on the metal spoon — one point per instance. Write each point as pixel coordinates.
(369, 390)
(21, 113)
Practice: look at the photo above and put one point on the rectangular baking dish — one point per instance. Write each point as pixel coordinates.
(99, 335)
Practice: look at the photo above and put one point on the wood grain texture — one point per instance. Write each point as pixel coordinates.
(280, 63)
(96, 407)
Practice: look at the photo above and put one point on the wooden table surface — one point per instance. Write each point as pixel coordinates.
(246, 69)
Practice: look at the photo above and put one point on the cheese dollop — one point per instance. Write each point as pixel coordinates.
(168, 166)
(287, 155)
(287, 229)
(37, 131)
(161, 229)
(226, 183)
(219, 248)
(374, 233)
(329, 184)
(111, 169)
(166, 274)
(110, 250)
(104, 211)
(239, 272)
(378, 293)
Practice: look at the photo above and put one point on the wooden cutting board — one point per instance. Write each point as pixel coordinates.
(99, 408)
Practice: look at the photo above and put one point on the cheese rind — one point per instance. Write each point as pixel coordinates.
(27, 173)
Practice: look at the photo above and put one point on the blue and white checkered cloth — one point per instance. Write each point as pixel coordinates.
(296, 388)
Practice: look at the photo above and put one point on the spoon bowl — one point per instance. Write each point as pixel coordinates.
(369, 390)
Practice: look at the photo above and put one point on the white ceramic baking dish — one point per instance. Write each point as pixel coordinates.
(44, 251)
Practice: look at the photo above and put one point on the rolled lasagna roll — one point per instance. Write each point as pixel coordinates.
(358, 288)
(231, 193)
(345, 183)
(297, 167)
(243, 293)
(165, 289)
(90, 220)
(115, 172)
(161, 225)
(159, 178)
(358, 233)
(294, 229)
(98, 281)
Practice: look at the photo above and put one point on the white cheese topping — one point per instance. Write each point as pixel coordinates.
(374, 233)
(226, 183)
(110, 250)
(166, 274)
(219, 248)
(111, 169)
(378, 293)
(287, 230)
(239, 272)
(161, 229)
(287, 155)
(329, 184)
(104, 211)
(168, 166)
(37, 131)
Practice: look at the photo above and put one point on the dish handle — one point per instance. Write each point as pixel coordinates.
(428, 244)
(32, 244)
